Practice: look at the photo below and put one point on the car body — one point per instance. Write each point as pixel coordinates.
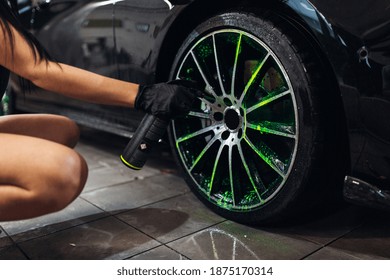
(345, 54)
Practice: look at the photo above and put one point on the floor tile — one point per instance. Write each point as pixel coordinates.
(114, 175)
(103, 154)
(323, 229)
(331, 254)
(172, 218)
(96, 158)
(5, 241)
(107, 238)
(11, 253)
(78, 212)
(370, 241)
(233, 241)
(137, 193)
(159, 253)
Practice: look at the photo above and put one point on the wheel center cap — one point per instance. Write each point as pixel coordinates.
(232, 119)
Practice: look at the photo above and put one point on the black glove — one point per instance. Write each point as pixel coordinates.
(168, 100)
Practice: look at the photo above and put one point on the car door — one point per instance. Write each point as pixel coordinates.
(140, 28)
(78, 33)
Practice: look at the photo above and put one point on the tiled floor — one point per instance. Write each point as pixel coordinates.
(151, 214)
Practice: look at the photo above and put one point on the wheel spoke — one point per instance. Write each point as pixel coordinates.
(212, 103)
(274, 128)
(200, 115)
(217, 66)
(209, 88)
(205, 149)
(238, 51)
(268, 99)
(253, 77)
(215, 168)
(269, 157)
(258, 179)
(196, 133)
(231, 180)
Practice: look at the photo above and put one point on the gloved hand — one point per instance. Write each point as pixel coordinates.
(168, 100)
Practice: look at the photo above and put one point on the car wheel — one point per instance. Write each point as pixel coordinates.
(251, 150)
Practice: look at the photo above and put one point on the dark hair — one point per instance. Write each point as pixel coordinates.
(9, 15)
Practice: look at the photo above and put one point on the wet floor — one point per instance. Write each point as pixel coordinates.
(151, 214)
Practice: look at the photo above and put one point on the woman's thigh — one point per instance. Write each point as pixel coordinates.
(55, 128)
(52, 174)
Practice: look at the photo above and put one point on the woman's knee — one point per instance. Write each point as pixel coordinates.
(67, 182)
(75, 175)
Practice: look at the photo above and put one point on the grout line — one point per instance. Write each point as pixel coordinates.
(14, 243)
(332, 241)
(122, 183)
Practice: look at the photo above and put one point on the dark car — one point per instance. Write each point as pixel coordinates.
(297, 104)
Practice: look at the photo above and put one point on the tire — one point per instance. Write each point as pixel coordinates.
(252, 150)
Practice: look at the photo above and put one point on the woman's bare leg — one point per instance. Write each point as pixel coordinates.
(39, 172)
(50, 127)
(37, 176)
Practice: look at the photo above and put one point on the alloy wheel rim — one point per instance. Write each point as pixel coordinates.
(239, 145)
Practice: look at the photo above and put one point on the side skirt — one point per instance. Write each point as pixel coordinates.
(362, 193)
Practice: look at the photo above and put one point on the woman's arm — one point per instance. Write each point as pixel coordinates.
(64, 79)
(165, 99)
